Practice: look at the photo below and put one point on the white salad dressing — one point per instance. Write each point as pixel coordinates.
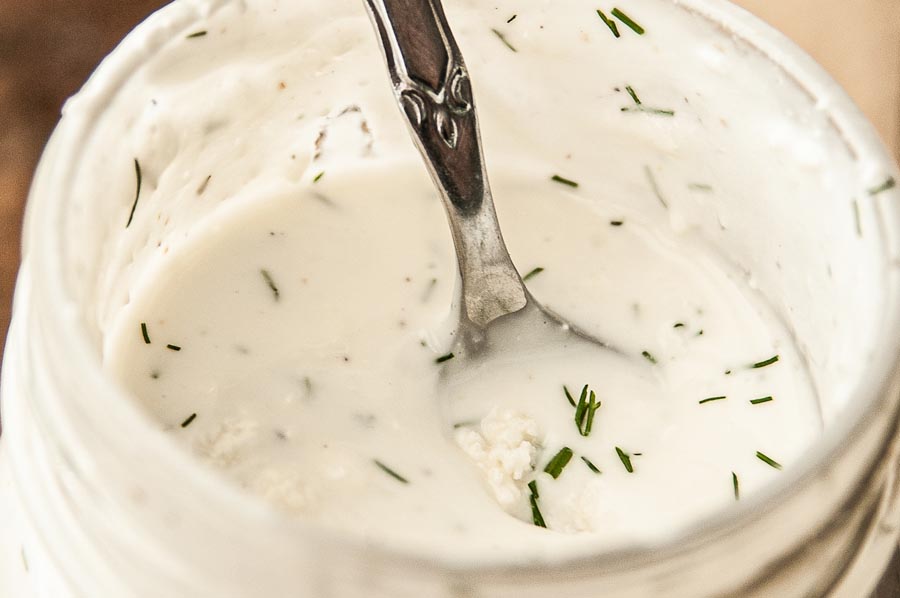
(284, 290)
(302, 331)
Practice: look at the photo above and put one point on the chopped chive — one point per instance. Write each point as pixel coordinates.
(271, 283)
(559, 462)
(648, 356)
(202, 188)
(890, 183)
(173, 347)
(700, 333)
(593, 405)
(444, 358)
(609, 23)
(761, 401)
(642, 108)
(633, 95)
(196, 34)
(569, 396)
(581, 408)
(189, 420)
(679, 325)
(429, 290)
(144, 333)
(768, 460)
(700, 187)
(762, 364)
(727, 372)
(590, 465)
(711, 399)
(532, 274)
(503, 39)
(652, 180)
(616, 222)
(464, 424)
(563, 180)
(137, 193)
(737, 486)
(318, 177)
(625, 458)
(390, 471)
(857, 219)
(627, 21)
(536, 516)
(511, 19)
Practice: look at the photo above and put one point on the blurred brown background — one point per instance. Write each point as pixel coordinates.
(49, 47)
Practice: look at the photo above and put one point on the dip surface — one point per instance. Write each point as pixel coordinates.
(294, 279)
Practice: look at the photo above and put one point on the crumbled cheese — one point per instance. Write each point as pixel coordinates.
(505, 449)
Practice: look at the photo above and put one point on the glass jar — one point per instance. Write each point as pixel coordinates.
(105, 504)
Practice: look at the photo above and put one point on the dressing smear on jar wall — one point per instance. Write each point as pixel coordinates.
(284, 309)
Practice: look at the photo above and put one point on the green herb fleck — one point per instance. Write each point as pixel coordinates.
(654, 187)
(569, 396)
(503, 39)
(761, 401)
(590, 465)
(532, 274)
(857, 219)
(465, 424)
(267, 277)
(197, 34)
(584, 411)
(609, 23)
(444, 358)
(642, 108)
(768, 460)
(625, 458)
(202, 188)
(679, 325)
(890, 183)
(137, 193)
(616, 222)
(189, 420)
(173, 347)
(511, 19)
(700, 187)
(318, 177)
(144, 333)
(737, 486)
(762, 364)
(536, 516)
(648, 356)
(559, 462)
(563, 180)
(628, 21)
(727, 372)
(711, 399)
(634, 96)
(390, 472)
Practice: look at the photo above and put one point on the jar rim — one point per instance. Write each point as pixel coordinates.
(47, 253)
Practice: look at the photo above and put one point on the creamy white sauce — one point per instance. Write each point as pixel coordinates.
(311, 396)
(299, 394)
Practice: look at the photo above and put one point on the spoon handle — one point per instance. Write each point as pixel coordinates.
(432, 87)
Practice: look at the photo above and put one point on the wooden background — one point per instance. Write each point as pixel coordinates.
(49, 47)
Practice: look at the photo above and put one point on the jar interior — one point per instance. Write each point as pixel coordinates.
(749, 163)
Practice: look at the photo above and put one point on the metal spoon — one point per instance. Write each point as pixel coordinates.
(431, 85)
